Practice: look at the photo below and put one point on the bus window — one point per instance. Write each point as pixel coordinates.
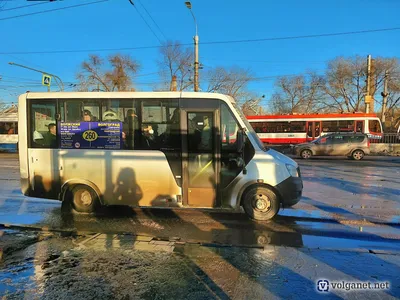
(346, 125)
(374, 126)
(43, 124)
(359, 126)
(338, 126)
(298, 126)
(81, 110)
(160, 126)
(310, 129)
(281, 127)
(115, 110)
(8, 128)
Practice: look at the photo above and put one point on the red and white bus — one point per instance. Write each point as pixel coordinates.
(295, 129)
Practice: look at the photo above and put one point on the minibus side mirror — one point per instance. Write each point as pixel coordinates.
(240, 136)
(240, 141)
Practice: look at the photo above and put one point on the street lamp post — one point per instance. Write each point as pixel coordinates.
(196, 50)
(56, 78)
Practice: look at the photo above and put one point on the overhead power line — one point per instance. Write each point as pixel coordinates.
(12, 77)
(155, 23)
(51, 10)
(205, 43)
(144, 20)
(18, 7)
(304, 36)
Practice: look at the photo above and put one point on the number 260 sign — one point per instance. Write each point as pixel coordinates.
(90, 135)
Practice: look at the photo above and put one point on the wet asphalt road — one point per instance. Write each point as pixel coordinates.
(342, 199)
(345, 228)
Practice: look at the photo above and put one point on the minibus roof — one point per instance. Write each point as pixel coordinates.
(122, 95)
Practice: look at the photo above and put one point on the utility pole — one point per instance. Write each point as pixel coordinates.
(385, 95)
(196, 50)
(196, 63)
(371, 87)
(368, 94)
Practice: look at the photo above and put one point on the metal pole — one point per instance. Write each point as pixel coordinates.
(385, 95)
(368, 84)
(196, 52)
(60, 84)
(196, 63)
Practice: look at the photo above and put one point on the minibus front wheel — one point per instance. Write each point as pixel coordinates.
(260, 203)
(84, 199)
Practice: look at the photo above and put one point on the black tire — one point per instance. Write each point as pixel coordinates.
(358, 154)
(305, 154)
(260, 203)
(83, 199)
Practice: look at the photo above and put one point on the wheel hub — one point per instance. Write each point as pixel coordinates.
(86, 198)
(262, 203)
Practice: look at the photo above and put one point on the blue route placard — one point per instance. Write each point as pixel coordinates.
(90, 135)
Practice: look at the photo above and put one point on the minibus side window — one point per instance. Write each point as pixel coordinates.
(125, 112)
(43, 124)
(160, 125)
(85, 110)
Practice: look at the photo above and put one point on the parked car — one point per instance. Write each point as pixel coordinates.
(352, 145)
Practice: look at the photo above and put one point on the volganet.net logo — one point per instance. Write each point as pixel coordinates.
(325, 285)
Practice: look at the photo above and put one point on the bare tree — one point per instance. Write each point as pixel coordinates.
(298, 94)
(393, 100)
(392, 111)
(346, 81)
(176, 60)
(233, 81)
(113, 74)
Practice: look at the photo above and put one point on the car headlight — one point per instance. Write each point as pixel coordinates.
(292, 170)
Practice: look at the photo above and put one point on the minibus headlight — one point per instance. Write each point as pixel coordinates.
(292, 170)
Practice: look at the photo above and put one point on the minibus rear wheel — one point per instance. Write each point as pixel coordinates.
(84, 199)
(260, 203)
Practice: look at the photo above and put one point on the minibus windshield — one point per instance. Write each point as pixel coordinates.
(249, 128)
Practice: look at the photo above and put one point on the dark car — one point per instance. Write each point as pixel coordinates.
(352, 145)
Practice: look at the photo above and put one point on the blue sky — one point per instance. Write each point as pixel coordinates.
(116, 24)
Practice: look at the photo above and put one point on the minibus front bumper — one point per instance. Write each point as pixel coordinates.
(290, 190)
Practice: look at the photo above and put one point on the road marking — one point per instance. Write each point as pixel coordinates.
(23, 207)
(88, 239)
